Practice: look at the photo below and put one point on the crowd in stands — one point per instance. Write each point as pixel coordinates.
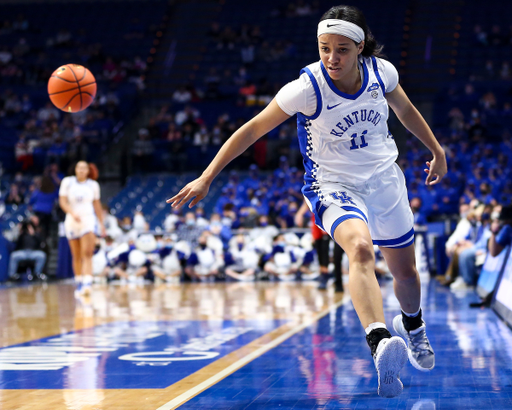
(482, 229)
(172, 137)
(471, 123)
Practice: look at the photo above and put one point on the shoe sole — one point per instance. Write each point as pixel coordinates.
(389, 362)
(398, 328)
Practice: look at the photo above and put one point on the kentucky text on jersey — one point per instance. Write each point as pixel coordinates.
(354, 118)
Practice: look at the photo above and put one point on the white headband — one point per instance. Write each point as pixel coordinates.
(341, 27)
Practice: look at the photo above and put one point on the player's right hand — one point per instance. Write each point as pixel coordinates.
(196, 190)
(76, 217)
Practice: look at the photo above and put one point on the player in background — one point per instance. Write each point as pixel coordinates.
(352, 184)
(79, 198)
(322, 247)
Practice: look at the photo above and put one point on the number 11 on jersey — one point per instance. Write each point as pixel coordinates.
(363, 141)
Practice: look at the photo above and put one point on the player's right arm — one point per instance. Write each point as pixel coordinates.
(64, 205)
(242, 139)
(63, 199)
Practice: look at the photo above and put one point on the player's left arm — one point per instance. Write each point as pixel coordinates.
(411, 118)
(99, 214)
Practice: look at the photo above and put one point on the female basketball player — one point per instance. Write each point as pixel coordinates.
(352, 184)
(79, 198)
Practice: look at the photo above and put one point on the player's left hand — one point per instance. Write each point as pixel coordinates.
(197, 189)
(436, 168)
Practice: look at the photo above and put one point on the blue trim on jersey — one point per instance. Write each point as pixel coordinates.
(317, 92)
(317, 207)
(342, 219)
(398, 247)
(302, 134)
(307, 190)
(340, 93)
(321, 209)
(391, 242)
(374, 62)
(354, 209)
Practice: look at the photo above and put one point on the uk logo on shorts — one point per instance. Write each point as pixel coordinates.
(343, 197)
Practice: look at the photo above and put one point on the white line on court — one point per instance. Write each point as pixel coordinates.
(182, 398)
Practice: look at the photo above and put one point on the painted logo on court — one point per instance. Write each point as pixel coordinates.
(125, 355)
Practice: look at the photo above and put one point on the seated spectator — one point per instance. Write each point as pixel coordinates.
(182, 95)
(205, 262)
(189, 231)
(201, 221)
(302, 8)
(100, 268)
(111, 223)
(28, 247)
(474, 256)
(48, 112)
(15, 197)
(459, 240)
(23, 150)
(173, 220)
(241, 261)
(501, 232)
(505, 72)
(171, 257)
(480, 35)
(214, 32)
(281, 263)
(136, 268)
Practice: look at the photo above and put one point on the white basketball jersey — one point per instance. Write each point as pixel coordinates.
(347, 139)
(80, 195)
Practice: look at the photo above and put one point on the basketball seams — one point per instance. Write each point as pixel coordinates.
(63, 79)
(64, 91)
(85, 73)
(78, 83)
(88, 84)
(72, 100)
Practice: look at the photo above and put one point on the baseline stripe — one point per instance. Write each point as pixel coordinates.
(194, 391)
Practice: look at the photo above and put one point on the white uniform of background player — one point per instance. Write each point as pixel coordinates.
(80, 197)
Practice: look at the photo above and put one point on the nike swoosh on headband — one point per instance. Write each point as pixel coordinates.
(332, 25)
(334, 106)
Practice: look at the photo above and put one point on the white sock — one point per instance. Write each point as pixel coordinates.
(78, 279)
(412, 314)
(87, 279)
(373, 326)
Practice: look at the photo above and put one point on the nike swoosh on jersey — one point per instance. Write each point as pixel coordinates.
(334, 106)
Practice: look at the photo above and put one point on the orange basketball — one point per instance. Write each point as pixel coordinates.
(72, 88)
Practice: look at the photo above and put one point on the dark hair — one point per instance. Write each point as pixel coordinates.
(47, 185)
(353, 15)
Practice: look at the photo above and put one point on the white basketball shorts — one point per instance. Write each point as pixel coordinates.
(75, 230)
(381, 202)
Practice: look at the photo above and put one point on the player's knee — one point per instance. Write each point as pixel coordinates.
(362, 251)
(87, 254)
(405, 273)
